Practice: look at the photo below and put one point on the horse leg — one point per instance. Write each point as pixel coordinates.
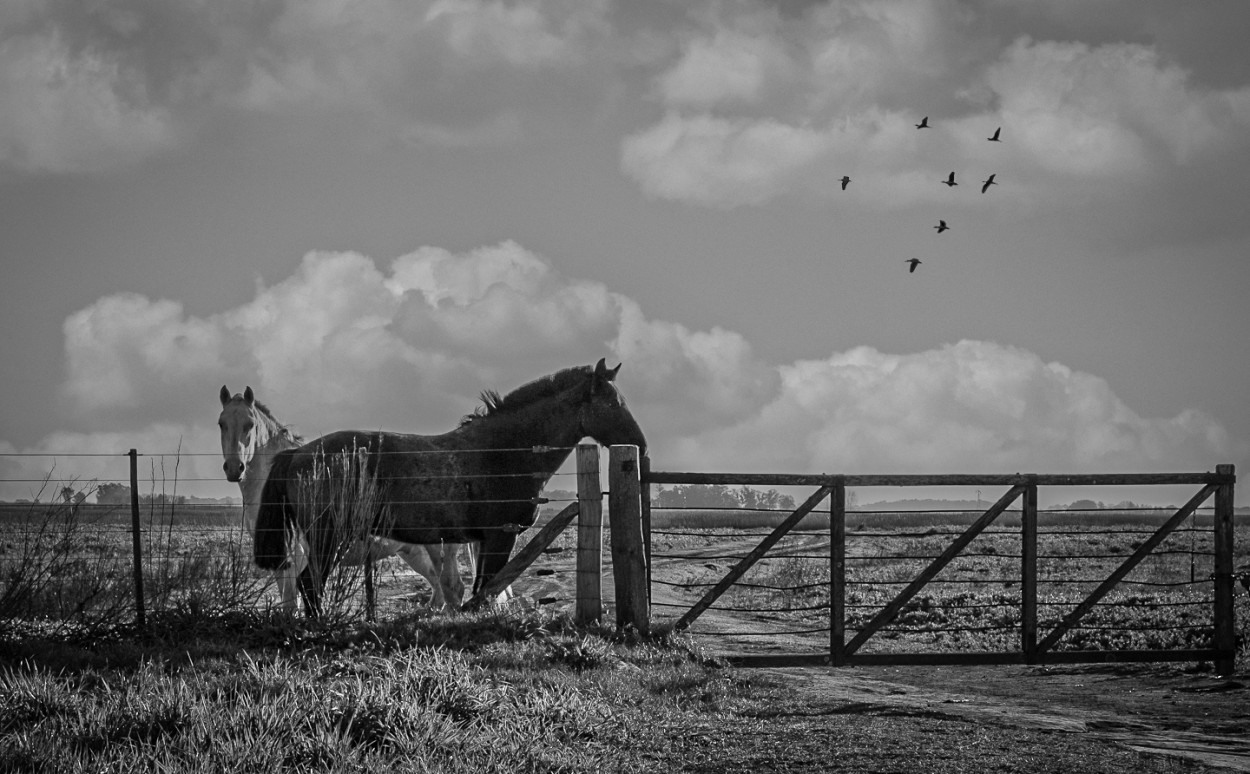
(473, 551)
(425, 562)
(450, 578)
(495, 550)
(290, 586)
(310, 592)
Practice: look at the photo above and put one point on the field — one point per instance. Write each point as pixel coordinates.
(975, 602)
(216, 681)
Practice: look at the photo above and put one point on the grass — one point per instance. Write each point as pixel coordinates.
(499, 691)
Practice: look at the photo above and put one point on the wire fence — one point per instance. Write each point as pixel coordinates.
(96, 540)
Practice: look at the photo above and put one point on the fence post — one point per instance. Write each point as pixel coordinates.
(1225, 634)
(140, 614)
(628, 556)
(589, 606)
(645, 498)
(1028, 574)
(837, 574)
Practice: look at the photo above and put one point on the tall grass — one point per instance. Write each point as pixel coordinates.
(52, 569)
(70, 565)
(339, 507)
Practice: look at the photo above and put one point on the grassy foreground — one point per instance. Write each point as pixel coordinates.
(500, 691)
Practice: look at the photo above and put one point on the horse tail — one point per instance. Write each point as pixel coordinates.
(270, 540)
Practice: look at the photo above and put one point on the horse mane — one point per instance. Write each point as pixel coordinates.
(542, 387)
(282, 429)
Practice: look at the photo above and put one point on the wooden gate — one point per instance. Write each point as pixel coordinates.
(1036, 643)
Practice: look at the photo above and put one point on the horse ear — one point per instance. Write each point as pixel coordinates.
(603, 374)
(225, 395)
(248, 396)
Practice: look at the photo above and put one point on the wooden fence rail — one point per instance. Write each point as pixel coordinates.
(1022, 487)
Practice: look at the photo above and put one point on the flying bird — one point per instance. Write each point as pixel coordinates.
(845, 180)
(989, 181)
(950, 180)
(995, 137)
(924, 123)
(914, 263)
(941, 226)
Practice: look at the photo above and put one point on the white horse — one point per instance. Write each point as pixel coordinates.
(250, 436)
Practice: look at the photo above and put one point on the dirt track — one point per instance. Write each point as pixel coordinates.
(1170, 709)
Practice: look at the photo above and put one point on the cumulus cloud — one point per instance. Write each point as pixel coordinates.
(344, 343)
(1107, 110)
(973, 406)
(66, 110)
(756, 106)
(89, 87)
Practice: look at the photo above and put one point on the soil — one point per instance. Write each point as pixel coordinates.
(1181, 710)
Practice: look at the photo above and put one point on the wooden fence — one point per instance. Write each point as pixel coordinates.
(629, 485)
(1035, 646)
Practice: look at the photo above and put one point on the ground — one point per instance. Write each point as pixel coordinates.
(981, 717)
(1181, 710)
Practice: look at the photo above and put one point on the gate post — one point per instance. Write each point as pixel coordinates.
(1225, 636)
(837, 575)
(140, 614)
(1028, 573)
(589, 605)
(629, 566)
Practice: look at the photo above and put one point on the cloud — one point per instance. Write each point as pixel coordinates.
(721, 162)
(91, 87)
(1108, 110)
(66, 110)
(343, 343)
(728, 67)
(756, 107)
(973, 406)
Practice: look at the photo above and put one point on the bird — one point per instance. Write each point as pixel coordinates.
(941, 226)
(924, 123)
(845, 179)
(995, 137)
(950, 180)
(914, 263)
(989, 181)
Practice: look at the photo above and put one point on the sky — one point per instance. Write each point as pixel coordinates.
(370, 211)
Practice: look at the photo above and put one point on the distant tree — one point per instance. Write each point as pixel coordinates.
(719, 496)
(1084, 505)
(112, 494)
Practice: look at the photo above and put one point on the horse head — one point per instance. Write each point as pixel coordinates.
(238, 431)
(604, 415)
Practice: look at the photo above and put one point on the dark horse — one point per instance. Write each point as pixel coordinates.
(479, 482)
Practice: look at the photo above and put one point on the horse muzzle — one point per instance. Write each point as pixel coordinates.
(234, 470)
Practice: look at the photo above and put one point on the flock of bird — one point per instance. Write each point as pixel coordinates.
(949, 182)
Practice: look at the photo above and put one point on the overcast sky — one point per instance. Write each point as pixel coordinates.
(371, 211)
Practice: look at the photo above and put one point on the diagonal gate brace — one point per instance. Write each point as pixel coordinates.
(1125, 568)
(750, 559)
(888, 612)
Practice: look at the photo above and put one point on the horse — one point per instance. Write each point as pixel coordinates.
(477, 482)
(250, 437)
